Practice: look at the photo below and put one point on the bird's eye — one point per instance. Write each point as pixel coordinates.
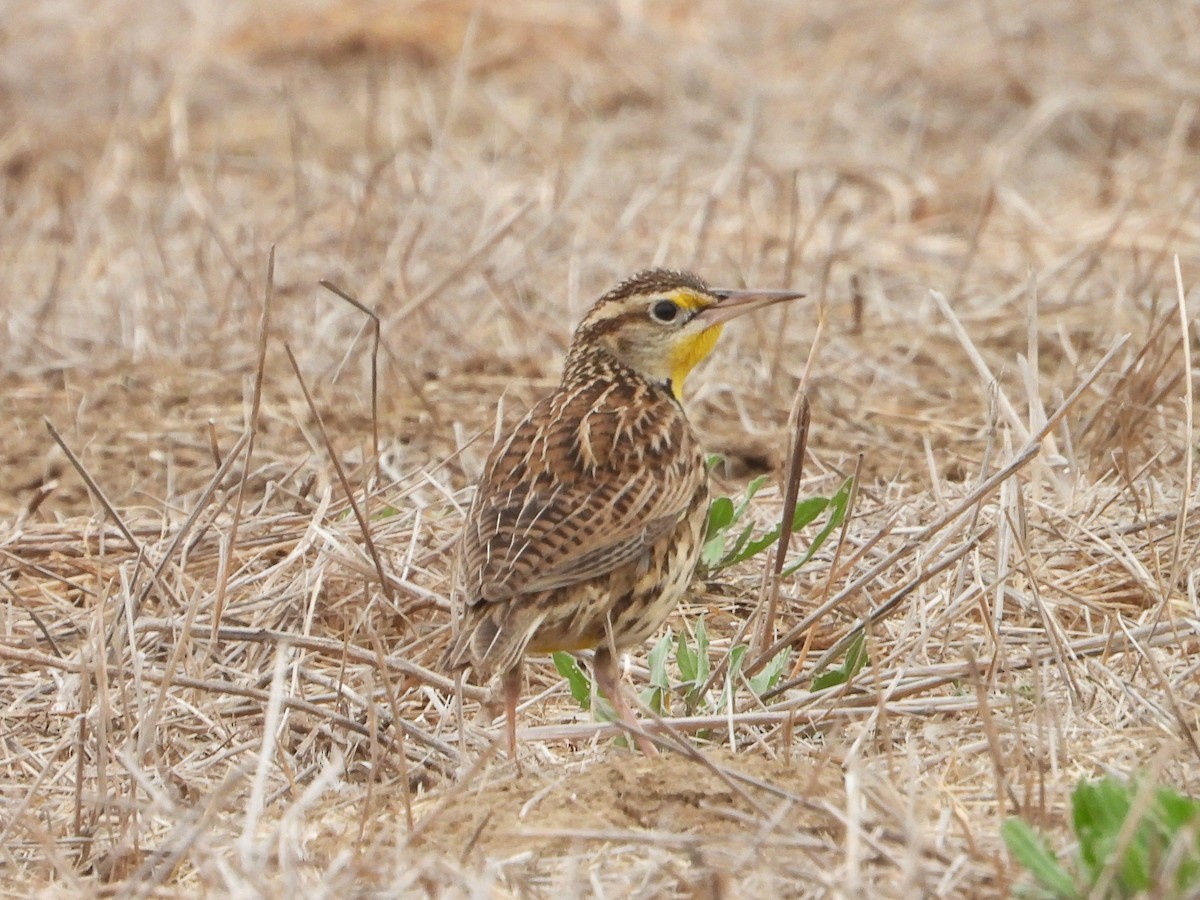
(664, 311)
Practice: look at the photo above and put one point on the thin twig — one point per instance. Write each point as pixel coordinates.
(384, 582)
(795, 473)
(264, 326)
(374, 317)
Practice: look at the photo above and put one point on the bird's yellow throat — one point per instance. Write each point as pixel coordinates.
(688, 353)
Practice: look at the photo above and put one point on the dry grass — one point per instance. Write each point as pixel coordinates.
(206, 686)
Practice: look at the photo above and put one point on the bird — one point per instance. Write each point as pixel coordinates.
(588, 519)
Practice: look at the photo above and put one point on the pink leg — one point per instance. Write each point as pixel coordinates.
(609, 682)
(512, 693)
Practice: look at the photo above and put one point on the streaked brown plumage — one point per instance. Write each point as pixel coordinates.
(587, 522)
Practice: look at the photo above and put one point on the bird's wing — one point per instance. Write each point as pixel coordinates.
(546, 515)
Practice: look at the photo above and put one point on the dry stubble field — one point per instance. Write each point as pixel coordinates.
(206, 686)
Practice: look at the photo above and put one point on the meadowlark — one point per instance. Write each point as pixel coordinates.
(588, 519)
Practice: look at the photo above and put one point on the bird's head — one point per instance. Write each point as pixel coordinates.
(662, 323)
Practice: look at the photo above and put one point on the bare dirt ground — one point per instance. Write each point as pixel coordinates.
(206, 687)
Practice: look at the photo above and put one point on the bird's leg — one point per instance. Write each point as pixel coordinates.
(604, 666)
(512, 692)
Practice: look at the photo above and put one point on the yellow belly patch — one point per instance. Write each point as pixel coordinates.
(565, 646)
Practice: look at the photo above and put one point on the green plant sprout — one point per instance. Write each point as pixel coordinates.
(856, 659)
(1160, 858)
(692, 663)
(692, 666)
(724, 517)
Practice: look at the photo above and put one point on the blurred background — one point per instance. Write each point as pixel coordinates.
(478, 174)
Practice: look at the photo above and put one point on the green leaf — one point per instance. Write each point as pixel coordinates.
(856, 655)
(577, 680)
(1099, 812)
(752, 488)
(770, 674)
(723, 515)
(747, 549)
(653, 698)
(1178, 817)
(807, 511)
(839, 501)
(720, 517)
(712, 551)
(1098, 808)
(856, 659)
(1035, 855)
(657, 661)
(703, 670)
(737, 547)
(1176, 811)
(694, 698)
(731, 676)
(685, 659)
(827, 679)
(655, 695)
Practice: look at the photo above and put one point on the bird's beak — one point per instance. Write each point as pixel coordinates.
(735, 303)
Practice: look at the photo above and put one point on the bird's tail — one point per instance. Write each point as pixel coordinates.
(459, 655)
(490, 643)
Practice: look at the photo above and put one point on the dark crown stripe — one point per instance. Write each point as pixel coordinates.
(649, 281)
